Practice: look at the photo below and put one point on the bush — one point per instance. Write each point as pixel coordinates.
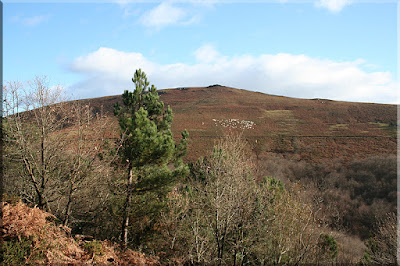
(382, 248)
(225, 215)
(328, 245)
(16, 251)
(95, 248)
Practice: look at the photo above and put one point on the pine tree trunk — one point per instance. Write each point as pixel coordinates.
(125, 222)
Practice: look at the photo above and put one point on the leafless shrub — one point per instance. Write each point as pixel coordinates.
(225, 215)
(51, 149)
(382, 248)
(29, 139)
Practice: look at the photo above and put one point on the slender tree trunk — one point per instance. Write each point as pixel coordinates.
(74, 177)
(68, 207)
(125, 222)
(42, 201)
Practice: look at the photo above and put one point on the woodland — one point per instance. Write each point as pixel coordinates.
(140, 191)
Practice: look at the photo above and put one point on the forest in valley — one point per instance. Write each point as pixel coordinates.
(139, 190)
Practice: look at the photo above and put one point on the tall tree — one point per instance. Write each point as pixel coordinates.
(148, 147)
(31, 117)
(81, 159)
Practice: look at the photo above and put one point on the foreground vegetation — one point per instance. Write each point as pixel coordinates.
(32, 236)
(228, 207)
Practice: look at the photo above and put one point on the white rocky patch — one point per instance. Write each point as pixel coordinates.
(234, 123)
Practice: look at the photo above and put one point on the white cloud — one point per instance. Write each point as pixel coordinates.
(166, 14)
(107, 60)
(334, 6)
(109, 72)
(31, 21)
(207, 54)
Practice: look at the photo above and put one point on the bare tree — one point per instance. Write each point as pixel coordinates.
(80, 155)
(383, 248)
(225, 215)
(31, 116)
(230, 195)
(52, 151)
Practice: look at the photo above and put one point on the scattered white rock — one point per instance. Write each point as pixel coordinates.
(235, 123)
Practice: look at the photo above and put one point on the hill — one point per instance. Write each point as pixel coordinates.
(309, 129)
(296, 143)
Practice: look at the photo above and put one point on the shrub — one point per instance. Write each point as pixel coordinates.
(225, 215)
(328, 245)
(17, 251)
(382, 248)
(95, 248)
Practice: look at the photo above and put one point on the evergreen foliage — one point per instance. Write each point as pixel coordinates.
(328, 245)
(15, 251)
(147, 148)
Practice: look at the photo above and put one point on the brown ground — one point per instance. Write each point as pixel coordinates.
(315, 129)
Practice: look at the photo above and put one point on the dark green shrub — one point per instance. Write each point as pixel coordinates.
(328, 245)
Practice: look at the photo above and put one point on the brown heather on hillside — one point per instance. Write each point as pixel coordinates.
(48, 243)
(314, 130)
(342, 152)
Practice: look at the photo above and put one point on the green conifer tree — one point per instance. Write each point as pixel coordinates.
(148, 147)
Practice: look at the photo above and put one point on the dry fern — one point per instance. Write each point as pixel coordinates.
(54, 244)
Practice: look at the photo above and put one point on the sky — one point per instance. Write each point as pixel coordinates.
(333, 49)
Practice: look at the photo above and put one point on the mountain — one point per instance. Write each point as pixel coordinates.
(310, 129)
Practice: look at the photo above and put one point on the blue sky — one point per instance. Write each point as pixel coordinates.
(336, 49)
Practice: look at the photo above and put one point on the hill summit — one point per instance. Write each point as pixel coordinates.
(310, 129)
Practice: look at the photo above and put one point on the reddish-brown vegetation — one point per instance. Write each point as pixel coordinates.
(314, 130)
(51, 243)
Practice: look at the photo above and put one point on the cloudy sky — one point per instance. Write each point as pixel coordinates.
(335, 49)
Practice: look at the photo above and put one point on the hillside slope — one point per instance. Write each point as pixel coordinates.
(31, 236)
(314, 129)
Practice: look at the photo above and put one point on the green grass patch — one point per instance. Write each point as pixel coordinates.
(390, 128)
(285, 119)
(339, 127)
(277, 114)
(15, 251)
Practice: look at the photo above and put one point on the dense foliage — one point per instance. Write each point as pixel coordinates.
(353, 196)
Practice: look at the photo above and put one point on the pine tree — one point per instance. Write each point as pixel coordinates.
(148, 148)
